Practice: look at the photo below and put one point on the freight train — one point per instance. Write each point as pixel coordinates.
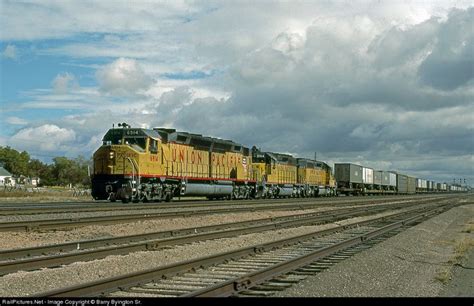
(354, 179)
(159, 164)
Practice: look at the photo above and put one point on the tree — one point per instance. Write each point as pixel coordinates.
(69, 171)
(14, 162)
(43, 171)
(63, 171)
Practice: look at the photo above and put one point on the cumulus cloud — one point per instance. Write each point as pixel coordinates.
(352, 61)
(64, 82)
(399, 45)
(450, 63)
(123, 77)
(47, 137)
(10, 52)
(172, 102)
(288, 42)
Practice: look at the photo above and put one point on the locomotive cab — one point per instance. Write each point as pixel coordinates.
(125, 157)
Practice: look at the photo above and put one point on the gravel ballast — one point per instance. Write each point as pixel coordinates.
(419, 256)
(12, 240)
(410, 264)
(27, 283)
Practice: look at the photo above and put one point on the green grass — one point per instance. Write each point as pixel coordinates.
(42, 195)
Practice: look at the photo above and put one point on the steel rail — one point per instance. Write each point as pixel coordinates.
(17, 209)
(14, 260)
(193, 200)
(85, 244)
(7, 208)
(78, 221)
(11, 254)
(237, 284)
(105, 286)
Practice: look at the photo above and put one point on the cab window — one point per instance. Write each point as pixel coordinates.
(153, 146)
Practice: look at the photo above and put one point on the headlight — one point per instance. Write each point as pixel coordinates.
(111, 154)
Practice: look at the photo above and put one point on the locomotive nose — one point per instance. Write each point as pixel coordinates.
(104, 161)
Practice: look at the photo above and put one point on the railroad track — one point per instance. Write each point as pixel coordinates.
(265, 267)
(74, 222)
(26, 259)
(8, 209)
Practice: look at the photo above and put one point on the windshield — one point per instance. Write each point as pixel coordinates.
(111, 139)
(138, 143)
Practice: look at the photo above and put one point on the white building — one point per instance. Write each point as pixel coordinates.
(6, 178)
(35, 181)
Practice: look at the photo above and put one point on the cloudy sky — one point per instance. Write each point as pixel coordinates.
(387, 84)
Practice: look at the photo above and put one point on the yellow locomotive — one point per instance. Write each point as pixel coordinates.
(136, 164)
(315, 178)
(157, 164)
(274, 173)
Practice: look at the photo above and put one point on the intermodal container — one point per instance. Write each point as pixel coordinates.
(378, 177)
(411, 184)
(418, 183)
(402, 183)
(367, 175)
(350, 173)
(392, 179)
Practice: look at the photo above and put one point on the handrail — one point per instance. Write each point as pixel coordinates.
(134, 164)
